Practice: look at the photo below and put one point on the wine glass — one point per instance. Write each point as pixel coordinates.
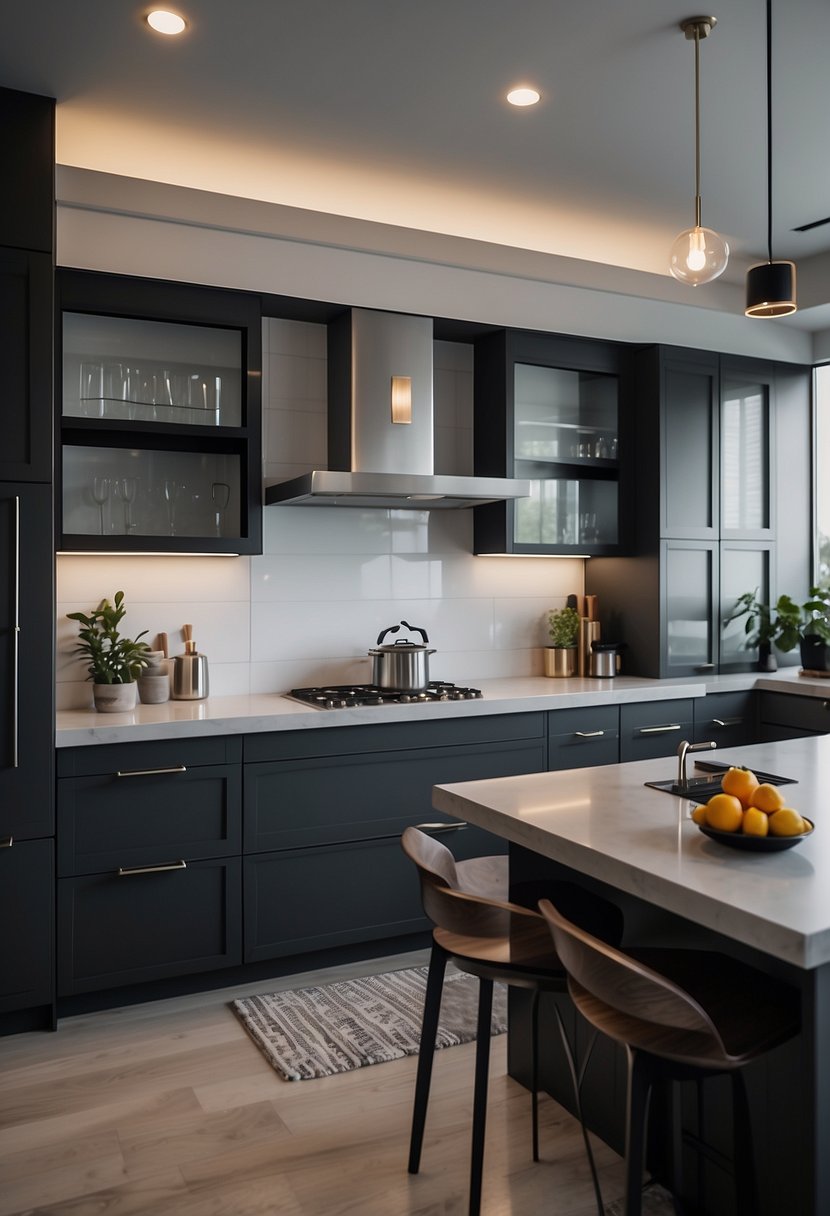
(100, 494)
(128, 487)
(171, 493)
(220, 492)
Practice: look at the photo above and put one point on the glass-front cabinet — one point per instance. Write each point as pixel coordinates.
(548, 409)
(160, 417)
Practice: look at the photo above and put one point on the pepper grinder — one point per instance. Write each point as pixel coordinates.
(190, 671)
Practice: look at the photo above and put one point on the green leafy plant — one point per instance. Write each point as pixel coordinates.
(563, 627)
(791, 622)
(113, 659)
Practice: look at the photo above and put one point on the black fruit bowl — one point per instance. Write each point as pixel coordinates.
(756, 844)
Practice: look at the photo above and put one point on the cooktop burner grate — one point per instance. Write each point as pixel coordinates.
(347, 696)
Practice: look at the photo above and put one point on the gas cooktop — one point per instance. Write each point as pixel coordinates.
(347, 696)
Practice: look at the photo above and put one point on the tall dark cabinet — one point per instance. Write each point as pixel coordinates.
(27, 821)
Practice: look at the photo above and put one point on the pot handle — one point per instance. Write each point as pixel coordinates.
(383, 633)
(416, 629)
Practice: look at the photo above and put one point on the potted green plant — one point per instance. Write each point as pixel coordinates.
(807, 626)
(563, 631)
(760, 628)
(114, 661)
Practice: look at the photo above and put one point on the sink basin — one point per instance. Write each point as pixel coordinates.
(701, 789)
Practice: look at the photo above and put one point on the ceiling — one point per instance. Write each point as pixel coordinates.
(394, 111)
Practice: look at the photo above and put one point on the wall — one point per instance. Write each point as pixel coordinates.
(331, 578)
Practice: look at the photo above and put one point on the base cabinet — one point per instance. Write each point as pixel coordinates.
(27, 885)
(730, 719)
(654, 729)
(786, 716)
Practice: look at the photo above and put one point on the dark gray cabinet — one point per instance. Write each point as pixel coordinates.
(553, 410)
(149, 872)
(654, 728)
(324, 811)
(583, 738)
(787, 716)
(27, 914)
(728, 718)
(26, 358)
(27, 153)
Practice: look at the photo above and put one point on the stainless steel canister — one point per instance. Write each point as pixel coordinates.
(190, 676)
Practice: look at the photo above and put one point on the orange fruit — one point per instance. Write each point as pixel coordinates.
(724, 813)
(767, 798)
(786, 822)
(699, 813)
(756, 822)
(741, 783)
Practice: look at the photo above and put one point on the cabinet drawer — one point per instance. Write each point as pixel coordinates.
(805, 715)
(309, 899)
(582, 738)
(113, 758)
(109, 821)
(27, 917)
(729, 718)
(115, 930)
(296, 803)
(654, 729)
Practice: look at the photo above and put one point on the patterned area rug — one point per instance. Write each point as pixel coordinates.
(656, 1202)
(316, 1032)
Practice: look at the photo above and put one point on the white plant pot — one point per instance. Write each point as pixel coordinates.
(114, 698)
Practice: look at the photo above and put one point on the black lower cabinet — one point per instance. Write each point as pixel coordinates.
(27, 884)
(583, 738)
(729, 719)
(654, 729)
(787, 716)
(148, 923)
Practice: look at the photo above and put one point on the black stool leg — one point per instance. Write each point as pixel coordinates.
(639, 1084)
(485, 1008)
(429, 1028)
(745, 1181)
(534, 1071)
(576, 1080)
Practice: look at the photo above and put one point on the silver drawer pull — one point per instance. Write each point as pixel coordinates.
(7, 842)
(589, 734)
(127, 871)
(152, 772)
(727, 721)
(659, 730)
(440, 827)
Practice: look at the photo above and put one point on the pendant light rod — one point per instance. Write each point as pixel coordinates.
(769, 130)
(697, 28)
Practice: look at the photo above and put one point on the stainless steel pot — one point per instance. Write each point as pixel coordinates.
(401, 666)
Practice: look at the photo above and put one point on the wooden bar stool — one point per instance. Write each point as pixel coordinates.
(681, 1015)
(494, 940)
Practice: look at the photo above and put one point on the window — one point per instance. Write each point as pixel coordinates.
(822, 484)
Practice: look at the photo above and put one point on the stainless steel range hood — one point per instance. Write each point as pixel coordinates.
(380, 454)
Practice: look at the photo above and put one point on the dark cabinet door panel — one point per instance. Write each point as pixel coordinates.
(654, 729)
(311, 899)
(584, 738)
(729, 718)
(689, 456)
(26, 674)
(799, 715)
(109, 821)
(27, 886)
(295, 803)
(117, 929)
(26, 359)
(27, 154)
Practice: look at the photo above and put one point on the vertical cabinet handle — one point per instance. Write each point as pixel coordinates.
(16, 640)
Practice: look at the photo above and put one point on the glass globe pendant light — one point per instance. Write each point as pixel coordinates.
(698, 255)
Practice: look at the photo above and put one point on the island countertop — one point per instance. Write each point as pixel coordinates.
(605, 823)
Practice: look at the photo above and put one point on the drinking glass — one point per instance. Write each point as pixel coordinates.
(100, 494)
(220, 492)
(127, 489)
(114, 388)
(91, 390)
(171, 493)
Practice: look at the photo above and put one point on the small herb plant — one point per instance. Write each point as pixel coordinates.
(563, 627)
(113, 659)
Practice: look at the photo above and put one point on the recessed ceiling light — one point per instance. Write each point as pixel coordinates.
(165, 22)
(523, 96)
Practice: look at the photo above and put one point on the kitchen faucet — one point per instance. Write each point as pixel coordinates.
(683, 749)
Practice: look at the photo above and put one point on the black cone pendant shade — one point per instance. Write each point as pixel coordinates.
(770, 286)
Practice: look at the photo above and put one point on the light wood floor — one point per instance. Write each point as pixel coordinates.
(168, 1108)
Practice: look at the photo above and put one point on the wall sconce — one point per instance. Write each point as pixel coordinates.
(401, 398)
(698, 254)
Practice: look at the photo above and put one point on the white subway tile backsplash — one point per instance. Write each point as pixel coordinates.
(331, 578)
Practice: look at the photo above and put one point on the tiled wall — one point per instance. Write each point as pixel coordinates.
(330, 579)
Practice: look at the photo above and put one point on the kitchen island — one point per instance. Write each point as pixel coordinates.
(637, 845)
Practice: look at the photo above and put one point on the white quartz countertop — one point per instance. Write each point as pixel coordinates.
(274, 711)
(605, 823)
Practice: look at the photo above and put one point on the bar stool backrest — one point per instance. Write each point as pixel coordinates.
(622, 983)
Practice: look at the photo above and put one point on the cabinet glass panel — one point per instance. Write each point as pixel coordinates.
(565, 441)
(742, 569)
(564, 511)
(744, 456)
(688, 608)
(151, 371)
(139, 492)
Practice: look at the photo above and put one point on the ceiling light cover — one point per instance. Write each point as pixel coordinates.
(523, 96)
(165, 22)
(698, 255)
(770, 290)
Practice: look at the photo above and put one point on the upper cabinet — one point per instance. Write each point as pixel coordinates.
(27, 153)
(160, 416)
(550, 410)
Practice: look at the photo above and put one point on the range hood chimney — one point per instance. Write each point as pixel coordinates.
(380, 424)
